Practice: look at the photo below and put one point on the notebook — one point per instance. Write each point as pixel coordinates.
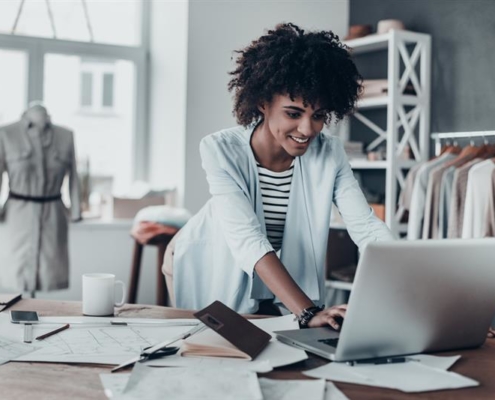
(231, 335)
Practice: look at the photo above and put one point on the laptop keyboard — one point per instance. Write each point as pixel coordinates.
(330, 342)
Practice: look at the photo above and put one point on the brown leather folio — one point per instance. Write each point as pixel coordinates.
(234, 328)
(6, 300)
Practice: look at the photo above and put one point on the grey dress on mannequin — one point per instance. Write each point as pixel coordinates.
(37, 156)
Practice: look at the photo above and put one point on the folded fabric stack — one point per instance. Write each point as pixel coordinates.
(354, 150)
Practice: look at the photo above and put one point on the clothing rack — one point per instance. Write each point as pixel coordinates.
(456, 135)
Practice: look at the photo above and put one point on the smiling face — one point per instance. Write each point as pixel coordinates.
(290, 126)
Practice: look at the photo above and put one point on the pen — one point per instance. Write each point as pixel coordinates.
(48, 334)
(378, 361)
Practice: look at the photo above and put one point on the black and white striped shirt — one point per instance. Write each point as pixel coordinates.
(275, 190)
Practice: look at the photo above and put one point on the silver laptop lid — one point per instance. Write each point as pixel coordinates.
(419, 296)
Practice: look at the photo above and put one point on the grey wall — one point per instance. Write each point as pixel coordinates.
(216, 28)
(463, 55)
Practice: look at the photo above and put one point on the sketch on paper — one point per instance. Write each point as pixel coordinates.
(103, 345)
(10, 350)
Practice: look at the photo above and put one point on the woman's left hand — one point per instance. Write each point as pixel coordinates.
(491, 333)
(329, 316)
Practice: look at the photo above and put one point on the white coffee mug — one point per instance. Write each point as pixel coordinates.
(98, 294)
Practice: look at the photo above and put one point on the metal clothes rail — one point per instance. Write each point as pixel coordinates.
(457, 135)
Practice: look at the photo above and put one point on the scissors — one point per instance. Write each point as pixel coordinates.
(161, 349)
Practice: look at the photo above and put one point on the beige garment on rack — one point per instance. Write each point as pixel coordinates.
(418, 198)
(432, 207)
(406, 193)
(479, 178)
(490, 211)
(456, 208)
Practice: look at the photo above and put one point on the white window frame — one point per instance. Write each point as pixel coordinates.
(37, 47)
(97, 88)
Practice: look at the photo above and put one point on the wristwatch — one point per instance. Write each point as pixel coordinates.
(307, 314)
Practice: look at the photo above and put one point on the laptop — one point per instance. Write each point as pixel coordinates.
(411, 297)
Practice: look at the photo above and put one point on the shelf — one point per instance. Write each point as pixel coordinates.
(368, 43)
(375, 42)
(408, 58)
(402, 228)
(331, 284)
(365, 164)
(383, 101)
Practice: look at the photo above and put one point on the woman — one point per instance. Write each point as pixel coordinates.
(261, 239)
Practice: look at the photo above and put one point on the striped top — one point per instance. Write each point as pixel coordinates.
(275, 190)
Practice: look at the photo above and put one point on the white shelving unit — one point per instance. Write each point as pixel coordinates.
(408, 116)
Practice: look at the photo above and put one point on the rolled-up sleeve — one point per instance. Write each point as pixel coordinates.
(231, 206)
(361, 222)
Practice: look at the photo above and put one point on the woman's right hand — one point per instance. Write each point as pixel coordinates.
(328, 316)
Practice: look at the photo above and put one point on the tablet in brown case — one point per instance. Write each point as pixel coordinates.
(233, 327)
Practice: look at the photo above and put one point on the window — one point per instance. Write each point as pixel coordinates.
(103, 132)
(78, 20)
(13, 85)
(107, 90)
(86, 89)
(97, 85)
(95, 88)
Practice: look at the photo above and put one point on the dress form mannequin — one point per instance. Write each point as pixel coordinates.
(37, 115)
(38, 156)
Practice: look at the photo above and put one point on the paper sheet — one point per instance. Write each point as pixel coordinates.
(114, 385)
(427, 373)
(274, 389)
(99, 344)
(191, 383)
(10, 350)
(176, 360)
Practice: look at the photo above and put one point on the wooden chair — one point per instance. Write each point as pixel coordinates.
(161, 241)
(154, 226)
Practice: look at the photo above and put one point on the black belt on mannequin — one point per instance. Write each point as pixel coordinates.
(35, 199)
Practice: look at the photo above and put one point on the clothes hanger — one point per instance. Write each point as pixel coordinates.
(490, 150)
(469, 151)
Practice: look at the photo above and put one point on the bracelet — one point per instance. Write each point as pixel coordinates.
(307, 314)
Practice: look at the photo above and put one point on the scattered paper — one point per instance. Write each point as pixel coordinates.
(274, 389)
(191, 383)
(271, 389)
(443, 363)
(93, 339)
(176, 360)
(271, 325)
(10, 350)
(426, 373)
(114, 384)
(332, 392)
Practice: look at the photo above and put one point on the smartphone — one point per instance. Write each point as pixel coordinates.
(24, 317)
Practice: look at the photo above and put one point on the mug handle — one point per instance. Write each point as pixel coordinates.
(121, 303)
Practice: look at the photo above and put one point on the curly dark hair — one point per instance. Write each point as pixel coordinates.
(315, 66)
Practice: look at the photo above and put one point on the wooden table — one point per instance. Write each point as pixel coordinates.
(81, 381)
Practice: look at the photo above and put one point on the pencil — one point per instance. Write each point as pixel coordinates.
(48, 334)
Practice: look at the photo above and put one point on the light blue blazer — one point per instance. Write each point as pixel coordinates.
(217, 249)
